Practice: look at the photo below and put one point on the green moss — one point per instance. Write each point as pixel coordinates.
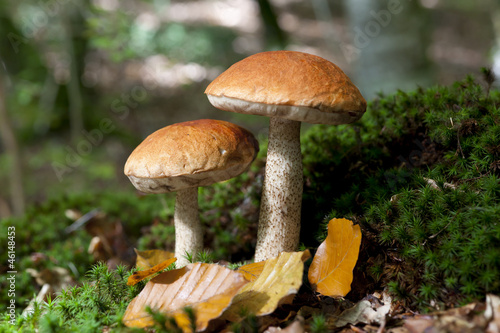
(441, 245)
(100, 301)
(42, 230)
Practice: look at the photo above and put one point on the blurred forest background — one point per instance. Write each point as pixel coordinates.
(82, 82)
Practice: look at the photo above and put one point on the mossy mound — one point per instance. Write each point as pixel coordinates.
(420, 173)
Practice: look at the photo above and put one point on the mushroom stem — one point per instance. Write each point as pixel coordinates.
(279, 221)
(188, 231)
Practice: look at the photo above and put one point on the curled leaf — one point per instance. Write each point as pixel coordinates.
(207, 288)
(331, 269)
(141, 275)
(280, 277)
(252, 271)
(150, 258)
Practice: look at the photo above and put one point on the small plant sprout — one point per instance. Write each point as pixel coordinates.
(290, 88)
(319, 324)
(180, 158)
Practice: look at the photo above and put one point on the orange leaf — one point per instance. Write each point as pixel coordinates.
(331, 269)
(141, 275)
(252, 271)
(207, 288)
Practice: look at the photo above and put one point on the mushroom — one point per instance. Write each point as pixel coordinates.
(289, 87)
(181, 157)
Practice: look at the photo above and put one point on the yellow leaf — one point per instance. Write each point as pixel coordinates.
(280, 277)
(207, 288)
(141, 275)
(150, 258)
(331, 269)
(252, 271)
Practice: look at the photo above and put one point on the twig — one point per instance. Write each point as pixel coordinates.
(459, 145)
(440, 231)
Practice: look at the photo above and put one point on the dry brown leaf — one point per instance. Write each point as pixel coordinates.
(150, 258)
(297, 326)
(280, 277)
(492, 313)
(365, 312)
(207, 288)
(141, 275)
(331, 269)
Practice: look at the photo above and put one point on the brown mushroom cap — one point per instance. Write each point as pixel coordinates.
(190, 154)
(288, 84)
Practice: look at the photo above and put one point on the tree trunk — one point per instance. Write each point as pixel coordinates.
(74, 92)
(390, 40)
(12, 148)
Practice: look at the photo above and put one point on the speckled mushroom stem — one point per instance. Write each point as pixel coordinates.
(188, 231)
(279, 221)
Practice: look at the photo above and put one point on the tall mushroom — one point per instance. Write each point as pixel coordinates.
(289, 87)
(181, 157)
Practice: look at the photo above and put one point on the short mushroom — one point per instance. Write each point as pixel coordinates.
(181, 157)
(290, 88)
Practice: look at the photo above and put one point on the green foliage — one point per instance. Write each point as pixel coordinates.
(99, 302)
(124, 37)
(205, 256)
(229, 213)
(249, 324)
(420, 172)
(318, 324)
(42, 230)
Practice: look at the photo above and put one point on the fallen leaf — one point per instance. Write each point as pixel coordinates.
(472, 317)
(252, 271)
(492, 313)
(365, 312)
(297, 326)
(207, 288)
(150, 258)
(141, 275)
(417, 325)
(113, 244)
(280, 277)
(331, 269)
(58, 278)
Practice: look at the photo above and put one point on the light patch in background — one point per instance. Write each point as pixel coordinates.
(159, 72)
(496, 66)
(495, 18)
(429, 3)
(59, 63)
(108, 5)
(148, 21)
(242, 15)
